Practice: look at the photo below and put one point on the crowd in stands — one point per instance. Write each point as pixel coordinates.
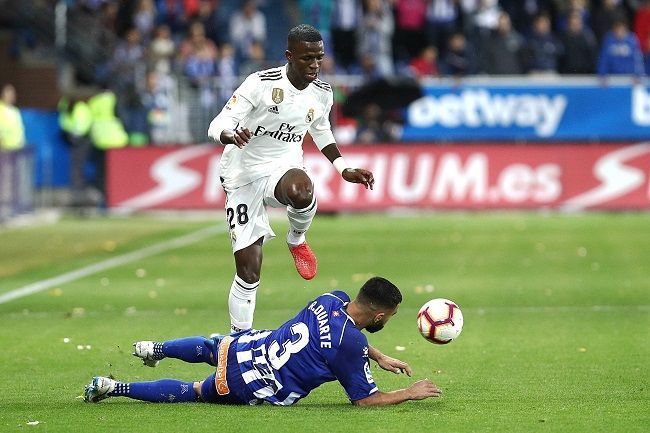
(140, 49)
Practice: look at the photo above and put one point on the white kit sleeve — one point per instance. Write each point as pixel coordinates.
(321, 130)
(242, 102)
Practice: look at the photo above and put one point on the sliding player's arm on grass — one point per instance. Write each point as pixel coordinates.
(418, 391)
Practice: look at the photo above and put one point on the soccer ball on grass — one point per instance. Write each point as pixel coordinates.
(440, 321)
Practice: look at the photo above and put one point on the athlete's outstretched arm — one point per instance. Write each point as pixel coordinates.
(354, 175)
(388, 363)
(418, 391)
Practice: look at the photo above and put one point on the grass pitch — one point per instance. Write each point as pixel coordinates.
(556, 337)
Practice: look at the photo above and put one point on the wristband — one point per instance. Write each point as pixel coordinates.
(340, 164)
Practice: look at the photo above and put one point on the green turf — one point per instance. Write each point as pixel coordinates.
(556, 337)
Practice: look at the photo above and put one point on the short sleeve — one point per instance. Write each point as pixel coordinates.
(351, 367)
(321, 129)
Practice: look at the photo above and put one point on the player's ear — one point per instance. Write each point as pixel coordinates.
(378, 318)
(288, 54)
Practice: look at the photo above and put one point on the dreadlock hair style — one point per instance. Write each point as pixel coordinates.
(304, 33)
(378, 293)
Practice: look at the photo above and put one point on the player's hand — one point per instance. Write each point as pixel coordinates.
(241, 137)
(394, 365)
(359, 175)
(423, 389)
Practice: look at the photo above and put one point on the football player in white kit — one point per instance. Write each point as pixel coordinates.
(262, 127)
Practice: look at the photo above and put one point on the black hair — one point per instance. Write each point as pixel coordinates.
(379, 293)
(304, 33)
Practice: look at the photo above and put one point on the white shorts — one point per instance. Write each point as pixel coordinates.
(246, 214)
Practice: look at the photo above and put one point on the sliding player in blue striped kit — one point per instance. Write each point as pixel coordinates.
(322, 343)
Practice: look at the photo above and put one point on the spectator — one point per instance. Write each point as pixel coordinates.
(144, 19)
(543, 47)
(157, 99)
(642, 25)
(426, 64)
(374, 35)
(580, 49)
(410, 17)
(256, 60)
(126, 59)
(523, 12)
(200, 66)
(442, 17)
(196, 42)
(573, 7)
(12, 130)
(162, 50)
(227, 72)
(346, 16)
(502, 51)
(246, 26)
(459, 59)
(177, 14)
(215, 18)
(127, 70)
(604, 17)
(485, 19)
(620, 53)
(318, 13)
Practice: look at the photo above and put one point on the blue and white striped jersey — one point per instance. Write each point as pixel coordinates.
(320, 344)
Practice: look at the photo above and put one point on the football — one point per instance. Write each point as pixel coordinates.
(440, 321)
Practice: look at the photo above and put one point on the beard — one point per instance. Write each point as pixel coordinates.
(375, 327)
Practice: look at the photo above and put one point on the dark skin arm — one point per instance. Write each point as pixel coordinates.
(241, 136)
(353, 175)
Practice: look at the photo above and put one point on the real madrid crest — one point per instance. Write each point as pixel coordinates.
(310, 116)
(277, 95)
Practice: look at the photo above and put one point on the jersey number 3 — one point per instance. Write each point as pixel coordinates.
(242, 215)
(300, 338)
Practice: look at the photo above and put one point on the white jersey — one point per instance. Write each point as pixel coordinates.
(278, 116)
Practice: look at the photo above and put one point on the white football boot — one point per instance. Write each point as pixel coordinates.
(98, 389)
(144, 351)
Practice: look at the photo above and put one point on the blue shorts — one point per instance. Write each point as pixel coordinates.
(238, 391)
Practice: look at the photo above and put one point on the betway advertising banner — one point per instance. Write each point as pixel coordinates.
(553, 112)
(564, 177)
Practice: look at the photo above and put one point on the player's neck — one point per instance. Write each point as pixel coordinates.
(295, 80)
(356, 313)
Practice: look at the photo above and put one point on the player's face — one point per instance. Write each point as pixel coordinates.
(305, 59)
(380, 320)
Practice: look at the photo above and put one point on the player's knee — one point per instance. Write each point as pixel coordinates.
(300, 194)
(248, 274)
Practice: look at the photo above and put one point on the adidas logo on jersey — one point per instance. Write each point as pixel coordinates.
(274, 109)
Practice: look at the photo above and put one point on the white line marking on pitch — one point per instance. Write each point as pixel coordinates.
(133, 256)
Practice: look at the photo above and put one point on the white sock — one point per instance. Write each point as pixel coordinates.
(241, 304)
(299, 222)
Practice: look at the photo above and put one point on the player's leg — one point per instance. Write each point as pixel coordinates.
(243, 291)
(296, 190)
(159, 391)
(189, 349)
(249, 229)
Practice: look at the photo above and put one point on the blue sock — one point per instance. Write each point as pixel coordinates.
(190, 349)
(160, 391)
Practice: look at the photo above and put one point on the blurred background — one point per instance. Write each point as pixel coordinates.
(454, 104)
